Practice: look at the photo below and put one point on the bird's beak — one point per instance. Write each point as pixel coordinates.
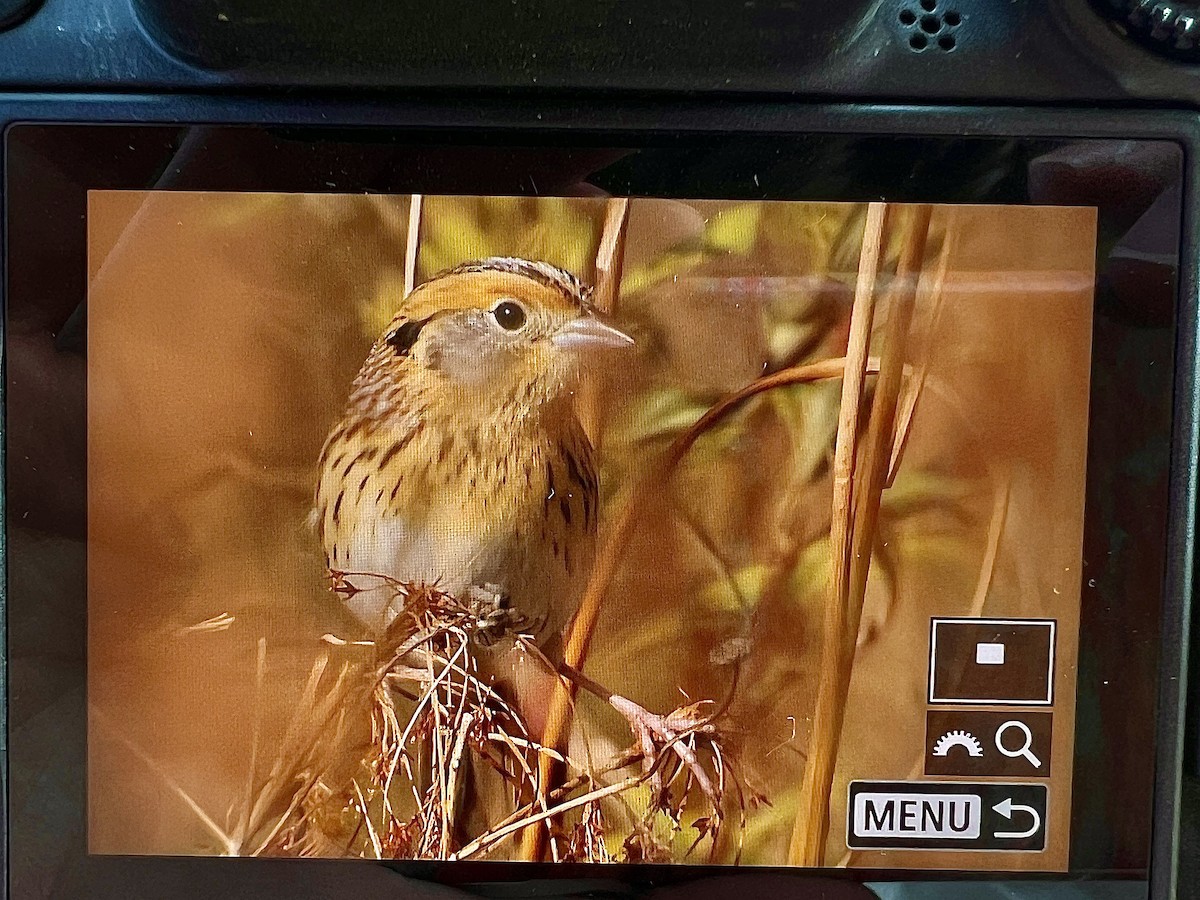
(588, 331)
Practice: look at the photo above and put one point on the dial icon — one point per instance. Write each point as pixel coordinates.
(952, 739)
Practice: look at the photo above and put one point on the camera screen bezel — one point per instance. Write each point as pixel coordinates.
(931, 134)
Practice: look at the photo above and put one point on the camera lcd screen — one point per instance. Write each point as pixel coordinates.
(624, 424)
(570, 505)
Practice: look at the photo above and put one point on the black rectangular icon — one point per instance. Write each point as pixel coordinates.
(988, 743)
(938, 815)
(998, 662)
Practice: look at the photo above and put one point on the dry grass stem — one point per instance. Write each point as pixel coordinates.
(412, 242)
(227, 845)
(220, 622)
(818, 773)
(260, 669)
(860, 473)
(933, 293)
(992, 550)
(606, 291)
(610, 256)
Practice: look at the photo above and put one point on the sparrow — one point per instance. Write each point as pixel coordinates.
(460, 461)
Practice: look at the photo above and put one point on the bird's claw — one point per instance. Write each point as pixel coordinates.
(493, 612)
(655, 734)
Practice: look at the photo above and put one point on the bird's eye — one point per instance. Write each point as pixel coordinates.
(509, 315)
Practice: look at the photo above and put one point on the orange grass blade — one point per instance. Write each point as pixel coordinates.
(171, 784)
(807, 842)
(992, 552)
(610, 257)
(914, 384)
(412, 242)
(859, 475)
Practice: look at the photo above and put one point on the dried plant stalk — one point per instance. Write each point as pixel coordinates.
(914, 384)
(260, 668)
(995, 532)
(859, 477)
(983, 584)
(610, 256)
(412, 242)
(876, 457)
(97, 716)
(929, 293)
(332, 790)
(818, 772)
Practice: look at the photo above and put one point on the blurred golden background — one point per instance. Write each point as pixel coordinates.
(223, 333)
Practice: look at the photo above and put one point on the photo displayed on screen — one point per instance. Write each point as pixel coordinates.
(585, 529)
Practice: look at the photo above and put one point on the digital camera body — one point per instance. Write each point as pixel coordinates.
(906, 103)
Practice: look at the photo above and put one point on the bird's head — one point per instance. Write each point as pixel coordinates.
(499, 328)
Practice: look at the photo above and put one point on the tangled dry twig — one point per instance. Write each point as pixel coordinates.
(413, 750)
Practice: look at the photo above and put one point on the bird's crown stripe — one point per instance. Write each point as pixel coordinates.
(540, 272)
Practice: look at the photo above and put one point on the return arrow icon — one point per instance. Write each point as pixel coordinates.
(1006, 808)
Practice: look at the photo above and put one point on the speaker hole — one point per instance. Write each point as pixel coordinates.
(918, 42)
(931, 24)
(929, 5)
(952, 19)
(908, 17)
(946, 42)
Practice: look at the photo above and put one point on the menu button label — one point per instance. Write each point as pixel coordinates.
(908, 815)
(946, 815)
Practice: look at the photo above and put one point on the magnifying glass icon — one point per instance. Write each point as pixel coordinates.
(1023, 750)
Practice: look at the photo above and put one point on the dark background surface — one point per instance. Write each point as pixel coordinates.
(973, 51)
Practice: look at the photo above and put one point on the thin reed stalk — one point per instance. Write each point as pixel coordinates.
(860, 472)
(260, 668)
(983, 584)
(914, 384)
(610, 258)
(101, 718)
(606, 294)
(412, 242)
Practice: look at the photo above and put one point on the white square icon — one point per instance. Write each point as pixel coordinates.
(991, 662)
(989, 654)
